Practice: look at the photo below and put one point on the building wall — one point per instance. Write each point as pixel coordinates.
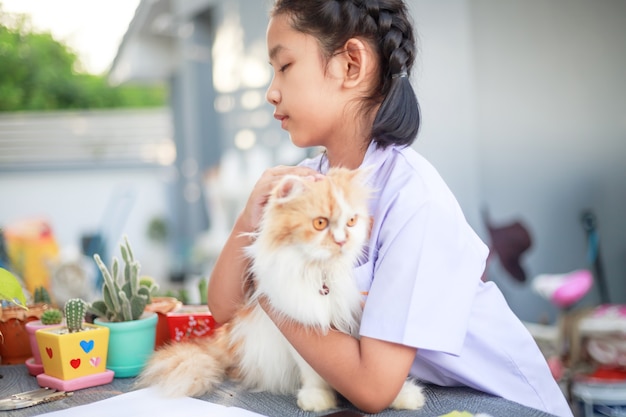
(525, 106)
(551, 112)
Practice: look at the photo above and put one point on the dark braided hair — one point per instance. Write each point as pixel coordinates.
(386, 26)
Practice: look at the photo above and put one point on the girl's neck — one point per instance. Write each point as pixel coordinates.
(348, 148)
(348, 155)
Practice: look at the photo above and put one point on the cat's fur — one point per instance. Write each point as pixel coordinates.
(306, 275)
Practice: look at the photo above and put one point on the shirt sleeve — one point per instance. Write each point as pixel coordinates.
(425, 274)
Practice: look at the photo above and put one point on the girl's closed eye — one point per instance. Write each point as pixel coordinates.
(284, 67)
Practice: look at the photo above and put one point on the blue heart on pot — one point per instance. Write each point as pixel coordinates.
(86, 345)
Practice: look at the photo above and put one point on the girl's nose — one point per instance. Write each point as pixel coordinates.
(272, 95)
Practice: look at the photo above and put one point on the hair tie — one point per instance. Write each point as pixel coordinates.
(402, 74)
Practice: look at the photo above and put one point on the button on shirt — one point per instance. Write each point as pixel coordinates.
(422, 279)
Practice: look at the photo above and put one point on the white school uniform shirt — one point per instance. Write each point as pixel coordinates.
(422, 277)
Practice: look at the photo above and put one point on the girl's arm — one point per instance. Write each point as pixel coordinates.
(225, 293)
(368, 372)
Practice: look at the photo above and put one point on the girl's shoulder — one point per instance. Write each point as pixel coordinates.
(402, 170)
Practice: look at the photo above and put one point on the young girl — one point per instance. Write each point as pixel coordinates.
(342, 82)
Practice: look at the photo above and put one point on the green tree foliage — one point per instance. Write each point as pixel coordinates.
(39, 73)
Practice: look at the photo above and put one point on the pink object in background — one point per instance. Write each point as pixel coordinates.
(575, 286)
(564, 290)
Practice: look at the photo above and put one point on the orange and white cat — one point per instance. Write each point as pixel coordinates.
(311, 235)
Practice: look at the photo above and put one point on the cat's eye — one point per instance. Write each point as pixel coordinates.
(320, 223)
(352, 221)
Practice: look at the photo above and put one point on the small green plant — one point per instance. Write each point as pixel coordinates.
(148, 282)
(203, 286)
(124, 296)
(51, 316)
(75, 314)
(157, 230)
(41, 296)
(181, 294)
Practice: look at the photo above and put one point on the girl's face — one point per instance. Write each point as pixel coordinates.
(305, 91)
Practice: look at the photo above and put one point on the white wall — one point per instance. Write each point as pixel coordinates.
(79, 202)
(551, 109)
(524, 107)
(444, 82)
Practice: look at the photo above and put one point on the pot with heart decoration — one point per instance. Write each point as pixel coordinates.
(122, 310)
(53, 317)
(74, 356)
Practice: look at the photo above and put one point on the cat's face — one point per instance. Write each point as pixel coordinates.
(325, 218)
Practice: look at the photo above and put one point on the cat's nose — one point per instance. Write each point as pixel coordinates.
(339, 236)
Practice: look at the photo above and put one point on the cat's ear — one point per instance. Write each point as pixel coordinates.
(289, 186)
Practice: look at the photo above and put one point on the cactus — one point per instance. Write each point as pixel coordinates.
(149, 282)
(124, 297)
(51, 316)
(203, 286)
(75, 314)
(41, 295)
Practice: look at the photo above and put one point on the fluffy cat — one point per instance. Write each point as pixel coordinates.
(310, 237)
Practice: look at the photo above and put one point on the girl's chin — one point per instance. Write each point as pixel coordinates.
(297, 141)
(302, 142)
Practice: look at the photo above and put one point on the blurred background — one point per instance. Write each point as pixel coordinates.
(148, 118)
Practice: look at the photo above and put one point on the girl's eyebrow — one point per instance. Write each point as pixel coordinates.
(275, 51)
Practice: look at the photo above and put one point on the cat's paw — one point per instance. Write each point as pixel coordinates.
(410, 397)
(316, 399)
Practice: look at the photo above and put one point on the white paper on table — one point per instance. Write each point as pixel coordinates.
(147, 403)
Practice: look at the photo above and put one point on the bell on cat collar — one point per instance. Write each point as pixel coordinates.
(324, 290)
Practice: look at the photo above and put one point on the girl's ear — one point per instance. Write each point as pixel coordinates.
(358, 62)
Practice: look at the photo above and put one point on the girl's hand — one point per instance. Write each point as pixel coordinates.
(251, 215)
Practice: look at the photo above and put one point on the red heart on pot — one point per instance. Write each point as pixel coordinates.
(75, 363)
(49, 352)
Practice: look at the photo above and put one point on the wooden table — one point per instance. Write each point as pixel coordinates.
(440, 400)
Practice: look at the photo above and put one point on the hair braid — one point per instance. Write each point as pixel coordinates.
(386, 26)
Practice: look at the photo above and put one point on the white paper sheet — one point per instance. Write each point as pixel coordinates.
(147, 403)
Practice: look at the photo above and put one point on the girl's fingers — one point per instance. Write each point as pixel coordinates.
(272, 176)
(266, 183)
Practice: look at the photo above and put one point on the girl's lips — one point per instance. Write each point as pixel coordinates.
(282, 119)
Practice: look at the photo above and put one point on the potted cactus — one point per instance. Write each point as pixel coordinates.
(52, 316)
(73, 355)
(41, 295)
(15, 313)
(49, 318)
(122, 310)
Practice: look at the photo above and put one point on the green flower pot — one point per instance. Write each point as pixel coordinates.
(130, 344)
